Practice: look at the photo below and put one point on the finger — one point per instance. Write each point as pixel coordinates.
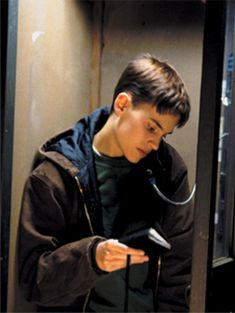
(117, 264)
(122, 262)
(123, 257)
(137, 252)
(139, 259)
(115, 246)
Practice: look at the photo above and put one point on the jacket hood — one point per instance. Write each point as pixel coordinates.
(72, 149)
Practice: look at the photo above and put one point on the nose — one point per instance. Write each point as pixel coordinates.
(154, 141)
(154, 145)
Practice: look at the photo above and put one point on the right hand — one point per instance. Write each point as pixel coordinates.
(111, 255)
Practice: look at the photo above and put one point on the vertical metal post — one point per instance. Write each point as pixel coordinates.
(207, 154)
(7, 145)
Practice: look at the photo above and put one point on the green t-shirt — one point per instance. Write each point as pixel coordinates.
(110, 172)
(109, 293)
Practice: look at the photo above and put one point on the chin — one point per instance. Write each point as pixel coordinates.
(133, 160)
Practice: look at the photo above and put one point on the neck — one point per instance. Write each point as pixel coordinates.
(105, 140)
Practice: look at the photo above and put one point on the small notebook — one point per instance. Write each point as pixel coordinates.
(149, 240)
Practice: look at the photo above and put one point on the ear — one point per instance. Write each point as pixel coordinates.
(122, 102)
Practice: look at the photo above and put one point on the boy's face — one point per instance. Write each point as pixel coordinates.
(139, 130)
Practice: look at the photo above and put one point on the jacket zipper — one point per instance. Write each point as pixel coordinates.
(85, 206)
(86, 301)
(159, 263)
(92, 232)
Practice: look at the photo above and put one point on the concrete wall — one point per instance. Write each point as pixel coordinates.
(173, 31)
(52, 91)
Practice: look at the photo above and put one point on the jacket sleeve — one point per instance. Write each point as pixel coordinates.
(175, 275)
(53, 270)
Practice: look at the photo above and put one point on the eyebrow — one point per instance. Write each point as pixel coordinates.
(160, 126)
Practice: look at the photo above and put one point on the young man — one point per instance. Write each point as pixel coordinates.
(93, 187)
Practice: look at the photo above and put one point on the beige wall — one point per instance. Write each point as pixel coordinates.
(52, 90)
(173, 31)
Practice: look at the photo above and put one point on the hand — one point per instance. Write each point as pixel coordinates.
(111, 255)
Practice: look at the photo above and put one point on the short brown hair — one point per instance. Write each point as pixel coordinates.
(152, 81)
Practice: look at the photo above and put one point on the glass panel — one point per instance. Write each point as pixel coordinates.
(224, 205)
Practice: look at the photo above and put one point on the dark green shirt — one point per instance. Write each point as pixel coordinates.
(110, 172)
(109, 293)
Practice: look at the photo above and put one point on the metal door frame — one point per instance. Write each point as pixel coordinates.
(7, 130)
(207, 153)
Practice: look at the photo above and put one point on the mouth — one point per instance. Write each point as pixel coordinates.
(142, 152)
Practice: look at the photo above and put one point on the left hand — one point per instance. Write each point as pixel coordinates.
(111, 255)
